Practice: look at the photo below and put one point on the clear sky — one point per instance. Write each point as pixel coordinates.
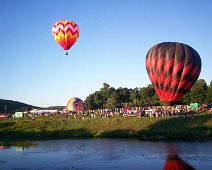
(115, 36)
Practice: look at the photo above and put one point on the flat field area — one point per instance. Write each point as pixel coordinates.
(198, 127)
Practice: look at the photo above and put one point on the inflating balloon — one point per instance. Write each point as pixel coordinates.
(75, 104)
(173, 68)
(66, 33)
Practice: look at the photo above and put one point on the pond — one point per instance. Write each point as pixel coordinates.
(93, 154)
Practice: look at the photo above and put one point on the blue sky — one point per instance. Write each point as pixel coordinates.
(115, 36)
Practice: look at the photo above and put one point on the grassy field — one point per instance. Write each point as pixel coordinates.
(145, 128)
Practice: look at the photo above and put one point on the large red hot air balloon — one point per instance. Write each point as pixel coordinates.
(66, 33)
(173, 68)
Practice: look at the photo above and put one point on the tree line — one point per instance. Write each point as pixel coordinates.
(109, 97)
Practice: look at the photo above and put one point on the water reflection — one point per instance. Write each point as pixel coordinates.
(17, 145)
(173, 161)
(95, 154)
(3, 147)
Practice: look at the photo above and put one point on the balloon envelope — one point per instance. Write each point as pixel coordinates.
(66, 33)
(173, 68)
(75, 104)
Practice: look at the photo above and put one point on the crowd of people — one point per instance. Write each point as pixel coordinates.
(147, 111)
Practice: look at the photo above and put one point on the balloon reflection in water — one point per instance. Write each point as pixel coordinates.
(174, 162)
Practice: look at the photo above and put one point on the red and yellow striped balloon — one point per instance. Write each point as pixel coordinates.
(66, 33)
(173, 68)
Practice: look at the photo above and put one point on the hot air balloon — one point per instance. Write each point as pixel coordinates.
(173, 68)
(66, 33)
(75, 105)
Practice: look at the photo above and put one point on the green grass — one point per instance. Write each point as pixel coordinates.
(199, 127)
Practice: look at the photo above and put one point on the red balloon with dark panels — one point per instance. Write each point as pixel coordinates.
(173, 68)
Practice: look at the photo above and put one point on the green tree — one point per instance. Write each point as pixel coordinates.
(113, 101)
(109, 97)
(135, 97)
(95, 100)
(186, 99)
(89, 101)
(209, 94)
(198, 92)
(156, 100)
(148, 94)
(99, 99)
(107, 93)
(105, 90)
(123, 96)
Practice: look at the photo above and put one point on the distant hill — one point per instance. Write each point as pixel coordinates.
(11, 106)
(56, 107)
